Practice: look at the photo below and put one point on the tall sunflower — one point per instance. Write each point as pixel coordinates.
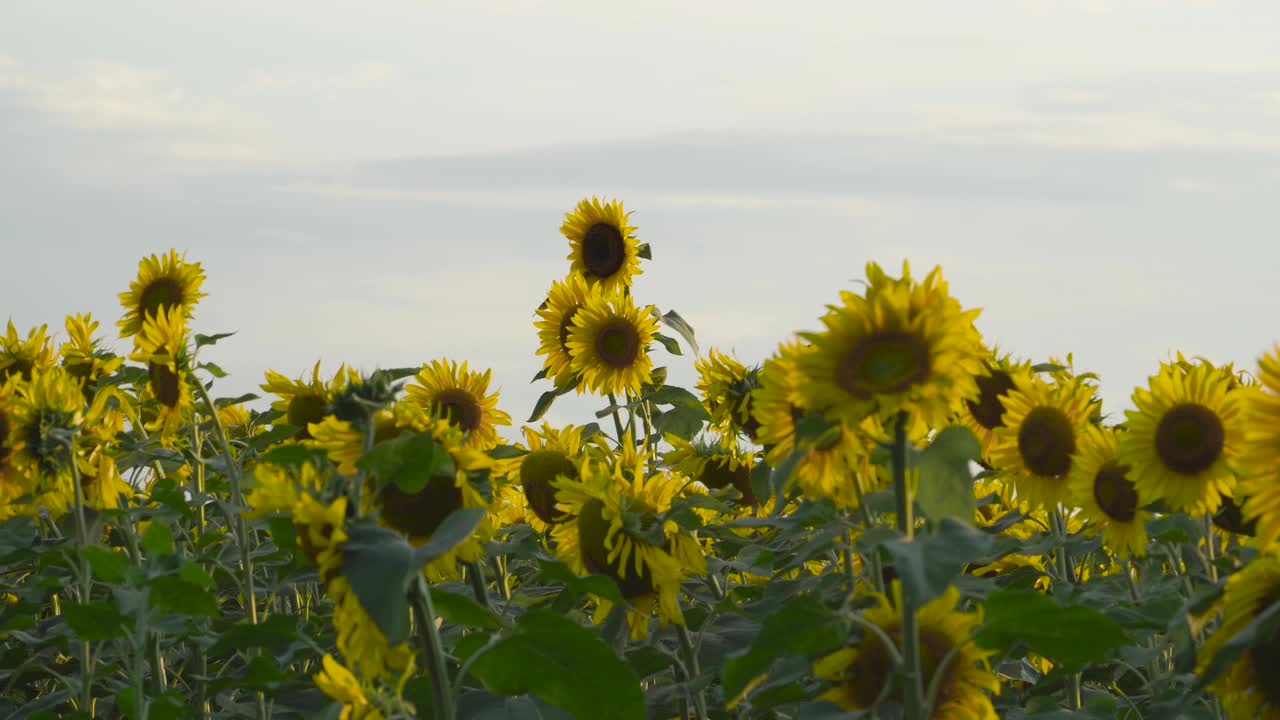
(597, 540)
(162, 346)
(20, 357)
(1181, 438)
(609, 342)
(46, 412)
(1250, 688)
(553, 454)
(164, 283)
(1042, 430)
(1260, 455)
(460, 395)
(303, 402)
(1100, 485)
(555, 319)
(985, 414)
(861, 671)
(726, 386)
(902, 346)
(602, 246)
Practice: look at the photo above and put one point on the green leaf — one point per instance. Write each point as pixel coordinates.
(543, 404)
(1073, 635)
(683, 421)
(564, 664)
(202, 340)
(179, 596)
(673, 320)
(379, 564)
(157, 539)
(946, 482)
(928, 564)
(408, 461)
(576, 586)
(1263, 628)
(456, 527)
(644, 251)
(803, 626)
(462, 610)
(674, 395)
(213, 369)
(112, 567)
(669, 343)
(507, 452)
(224, 402)
(196, 575)
(99, 621)
(276, 633)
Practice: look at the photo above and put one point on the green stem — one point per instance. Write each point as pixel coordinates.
(913, 692)
(1210, 549)
(691, 657)
(86, 581)
(617, 421)
(475, 576)
(437, 669)
(1063, 557)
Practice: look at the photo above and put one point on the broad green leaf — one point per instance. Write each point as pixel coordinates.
(462, 610)
(179, 596)
(276, 633)
(157, 539)
(669, 343)
(673, 320)
(565, 665)
(683, 421)
(507, 452)
(224, 402)
(455, 528)
(804, 626)
(408, 461)
(946, 482)
(929, 563)
(98, 621)
(196, 575)
(379, 564)
(543, 404)
(108, 566)
(1073, 635)
(674, 395)
(579, 586)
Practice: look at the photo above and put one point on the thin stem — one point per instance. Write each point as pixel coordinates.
(86, 581)
(1063, 558)
(902, 493)
(913, 692)
(1210, 549)
(444, 708)
(691, 655)
(475, 576)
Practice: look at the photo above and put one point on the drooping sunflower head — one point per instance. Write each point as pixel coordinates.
(609, 342)
(303, 402)
(775, 405)
(47, 412)
(19, 356)
(1099, 484)
(1250, 688)
(861, 671)
(717, 465)
(984, 414)
(12, 482)
(165, 283)
(556, 318)
(602, 246)
(726, 386)
(553, 454)
(902, 346)
(162, 345)
(1184, 433)
(341, 685)
(461, 396)
(1041, 434)
(1259, 463)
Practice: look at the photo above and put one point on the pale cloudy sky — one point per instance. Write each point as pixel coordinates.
(382, 183)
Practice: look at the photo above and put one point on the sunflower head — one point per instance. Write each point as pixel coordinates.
(162, 346)
(46, 414)
(82, 354)
(716, 465)
(1259, 462)
(462, 397)
(19, 356)
(609, 342)
(602, 246)
(1250, 688)
(556, 317)
(553, 454)
(165, 283)
(1043, 425)
(726, 386)
(1184, 433)
(303, 402)
(902, 346)
(775, 405)
(984, 413)
(1100, 486)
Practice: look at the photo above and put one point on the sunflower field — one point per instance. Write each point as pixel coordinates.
(886, 518)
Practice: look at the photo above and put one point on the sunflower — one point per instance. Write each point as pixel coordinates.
(343, 440)
(162, 345)
(609, 342)
(417, 515)
(100, 480)
(726, 387)
(13, 483)
(279, 490)
(553, 454)
(1250, 688)
(21, 357)
(302, 402)
(863, 670)
(716, 465)
(1100, 486)
(903, 346)
(1181, 438)
(45, 413)
(453, 392)
(984, 414)
(597, 540)
(82, 355)
(1260, 453)
(1043, 425)
(602, 246)
(339, 684)
(555, 318)
(165, 283)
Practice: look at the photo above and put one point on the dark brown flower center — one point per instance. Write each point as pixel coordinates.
(1046, 441)
(1114, 493)
(304, 410)
(886, 362)
(166, 384)
(163, 293)
(593, 528)
(870, 672)
(1189, 439)
(21, 365)
(618, 344)
(566, 322)
(538, 470)
(604, 250)
(419, 514)
(460, 408)
(987, 409)
(1231, 518)
(716, 474)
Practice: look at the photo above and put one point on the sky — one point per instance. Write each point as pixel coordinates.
(382, 184)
